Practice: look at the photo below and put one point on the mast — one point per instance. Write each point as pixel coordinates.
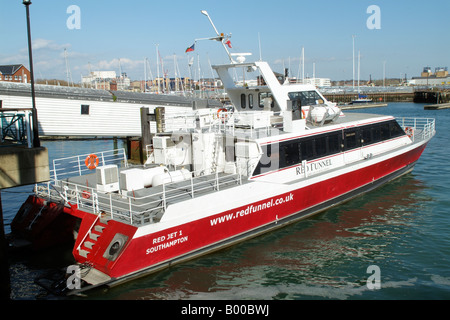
(145, 75)
(175, 71)
(157, 67)
(68, 73)
(199, 82)
(120, 76)
(359, 60)
(303, 65)
(353, 38)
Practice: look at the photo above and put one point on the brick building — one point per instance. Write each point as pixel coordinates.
(15, 73)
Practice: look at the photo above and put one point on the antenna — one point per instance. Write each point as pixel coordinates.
(259, 42)
(220, 36)
(204, 12)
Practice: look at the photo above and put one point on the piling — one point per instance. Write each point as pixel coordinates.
(5, 279)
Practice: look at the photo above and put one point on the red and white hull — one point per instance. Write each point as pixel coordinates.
(204, 225)
(223, 178)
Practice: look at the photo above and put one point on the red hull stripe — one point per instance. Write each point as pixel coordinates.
(149, 251)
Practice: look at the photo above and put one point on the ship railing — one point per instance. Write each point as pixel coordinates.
(418, 129)
(213, 120)
(76, 165)
(151, 207)
(130, 207)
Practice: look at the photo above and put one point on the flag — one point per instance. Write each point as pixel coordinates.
(191, 48)
(228, 43)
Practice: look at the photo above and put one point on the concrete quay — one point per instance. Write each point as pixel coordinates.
(22, 166)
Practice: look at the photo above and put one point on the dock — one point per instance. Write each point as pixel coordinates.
(22, 162)
(437, 106)
(432, 95)
(74, 112)
(362, 105)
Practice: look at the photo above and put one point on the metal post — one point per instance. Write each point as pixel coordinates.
(36, 141)
(131, 212)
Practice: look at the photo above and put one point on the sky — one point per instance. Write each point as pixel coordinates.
(398, 37)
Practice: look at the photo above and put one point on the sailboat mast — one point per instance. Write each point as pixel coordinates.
(145, 75)
(157, 67)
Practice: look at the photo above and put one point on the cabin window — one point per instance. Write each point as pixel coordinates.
(385, 133)
(243, 101)
(395, 129)
(308, 98)
(381, 132)
(352, 140)
(334, 145)
(250, 101)
(321, 146)
(366, 135)
(293, 152)
(264, 95)
(376, 132)
(307, 149)
(85, 109)
(290, 152)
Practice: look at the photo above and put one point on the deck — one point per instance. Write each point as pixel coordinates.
(136, 207)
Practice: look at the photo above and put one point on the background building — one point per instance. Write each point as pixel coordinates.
(106, 80)
(14, 73)
(440, 77)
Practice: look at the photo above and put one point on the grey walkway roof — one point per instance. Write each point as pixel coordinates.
(61, 92)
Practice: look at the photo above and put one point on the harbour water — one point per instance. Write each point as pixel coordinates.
(398, 233)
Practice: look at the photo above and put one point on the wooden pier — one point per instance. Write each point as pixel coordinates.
(379, 97)
(434, 95)
(362, 105)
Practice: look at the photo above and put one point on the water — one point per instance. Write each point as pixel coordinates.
(401, 228)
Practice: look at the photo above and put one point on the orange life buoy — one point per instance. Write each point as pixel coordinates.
(303, 114)
(223, 116)
(409, 131)
(91, 161)
(85, 194)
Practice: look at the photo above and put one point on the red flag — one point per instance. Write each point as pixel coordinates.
(228, 43)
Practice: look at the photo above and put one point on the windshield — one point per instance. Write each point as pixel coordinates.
(307, 98)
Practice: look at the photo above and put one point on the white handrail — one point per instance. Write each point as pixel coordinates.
(89, 231)
(422, 128)
(125, 206)
(75, 166)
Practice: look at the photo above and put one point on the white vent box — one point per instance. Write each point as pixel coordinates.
(162, 142)
(107, 178)
(131, 179)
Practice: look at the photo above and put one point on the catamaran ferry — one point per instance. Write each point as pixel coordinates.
(216, 177)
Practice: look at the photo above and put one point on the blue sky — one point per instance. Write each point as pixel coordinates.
(413, 34)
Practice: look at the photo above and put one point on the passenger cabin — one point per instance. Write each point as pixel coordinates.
(276, 127)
